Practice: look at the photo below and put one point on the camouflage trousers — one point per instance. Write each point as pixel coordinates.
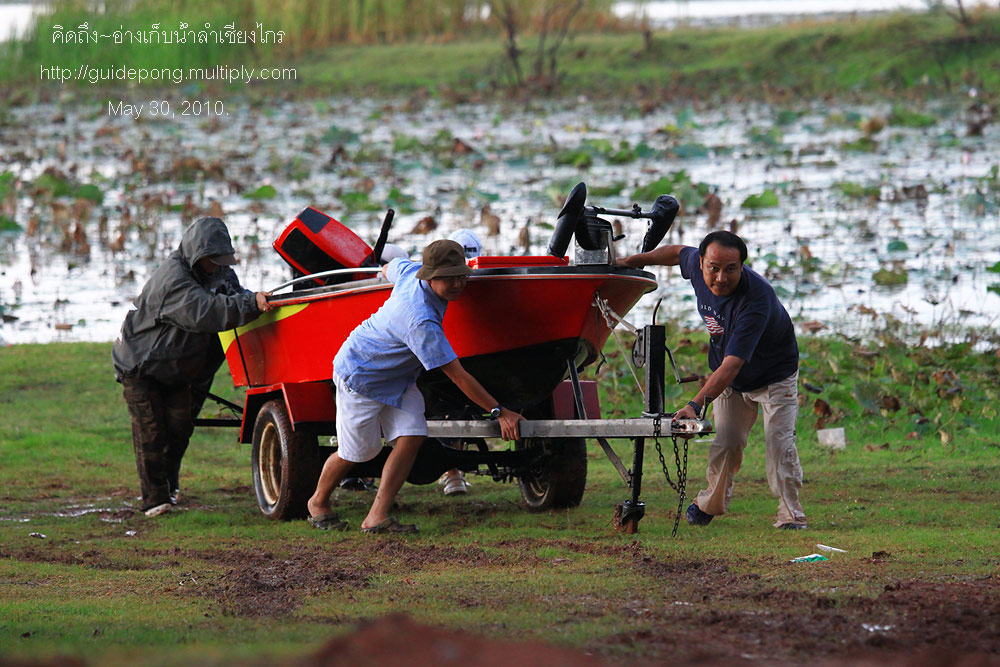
(162, 423)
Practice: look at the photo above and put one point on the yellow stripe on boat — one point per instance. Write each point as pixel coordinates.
(228, 337)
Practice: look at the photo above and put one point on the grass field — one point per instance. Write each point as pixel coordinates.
(83, 574)
(898, 56)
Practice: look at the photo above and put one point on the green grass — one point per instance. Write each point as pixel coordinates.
(217, 582)
(897, 56)
(926, 54)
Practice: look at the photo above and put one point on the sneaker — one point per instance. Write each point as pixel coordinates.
(793, 526)
(159, 509)
(696, 517)
(456, 484)
(175, 494)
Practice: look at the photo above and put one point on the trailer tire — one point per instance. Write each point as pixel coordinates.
(285, 464)
(558, 480)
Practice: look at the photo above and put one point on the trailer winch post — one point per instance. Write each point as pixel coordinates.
(654, 344)
(655, 362)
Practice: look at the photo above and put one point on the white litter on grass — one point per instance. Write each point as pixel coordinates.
(871, 627)
(811, 558)
(832, 438)
(823, 547)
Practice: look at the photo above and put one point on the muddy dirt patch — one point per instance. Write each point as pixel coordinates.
(787, 627)
(422, 556)
(58, 555)
(261, 585)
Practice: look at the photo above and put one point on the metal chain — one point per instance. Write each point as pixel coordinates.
(681, 486)
(681, 482)
(663, 463)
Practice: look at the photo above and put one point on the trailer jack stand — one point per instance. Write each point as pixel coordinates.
(627, 516)
(656, 422)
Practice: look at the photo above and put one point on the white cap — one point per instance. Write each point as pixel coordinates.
(391, 251)
(469, 242)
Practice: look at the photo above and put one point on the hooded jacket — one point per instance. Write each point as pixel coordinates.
(172, 333)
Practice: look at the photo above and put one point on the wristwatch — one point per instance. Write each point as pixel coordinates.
(495, 412)
(696, 407)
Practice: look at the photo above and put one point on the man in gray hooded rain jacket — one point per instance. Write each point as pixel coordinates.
(169, 350)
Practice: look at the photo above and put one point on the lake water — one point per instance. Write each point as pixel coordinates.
(15, 19)
(819, 246)
(680, 12)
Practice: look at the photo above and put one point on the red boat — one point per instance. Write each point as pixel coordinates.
(518, 322)
(523, 325)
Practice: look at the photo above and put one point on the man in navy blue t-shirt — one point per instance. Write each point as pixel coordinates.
(754, 359)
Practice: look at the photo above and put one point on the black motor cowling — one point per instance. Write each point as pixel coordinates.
(660, 218)
(569, 221)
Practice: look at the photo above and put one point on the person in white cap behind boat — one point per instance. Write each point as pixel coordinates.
(169, 350)
(375, 374)
(454, 481)
(469, 241)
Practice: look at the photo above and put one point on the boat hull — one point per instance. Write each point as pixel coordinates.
(513, 328)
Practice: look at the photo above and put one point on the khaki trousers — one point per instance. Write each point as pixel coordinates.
(735, 414)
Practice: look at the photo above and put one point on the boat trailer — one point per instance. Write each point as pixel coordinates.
(290, 478)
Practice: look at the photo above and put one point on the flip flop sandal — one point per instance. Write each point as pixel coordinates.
(327, 522)
(391, 525)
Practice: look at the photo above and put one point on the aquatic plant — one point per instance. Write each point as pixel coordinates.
(771, 137)
(339, 135)
(863, 145)
(766, 199)
(263, 192)
(90, 192)
(678, 184)
(9, 225)
(858, 191)
(891, 276)
(592, 149)
(903, 117)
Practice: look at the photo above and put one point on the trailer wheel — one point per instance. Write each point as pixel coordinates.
(559, 477)
(285, 464)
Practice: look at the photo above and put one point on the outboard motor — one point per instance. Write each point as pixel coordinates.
(595, 236)
(314, 242)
